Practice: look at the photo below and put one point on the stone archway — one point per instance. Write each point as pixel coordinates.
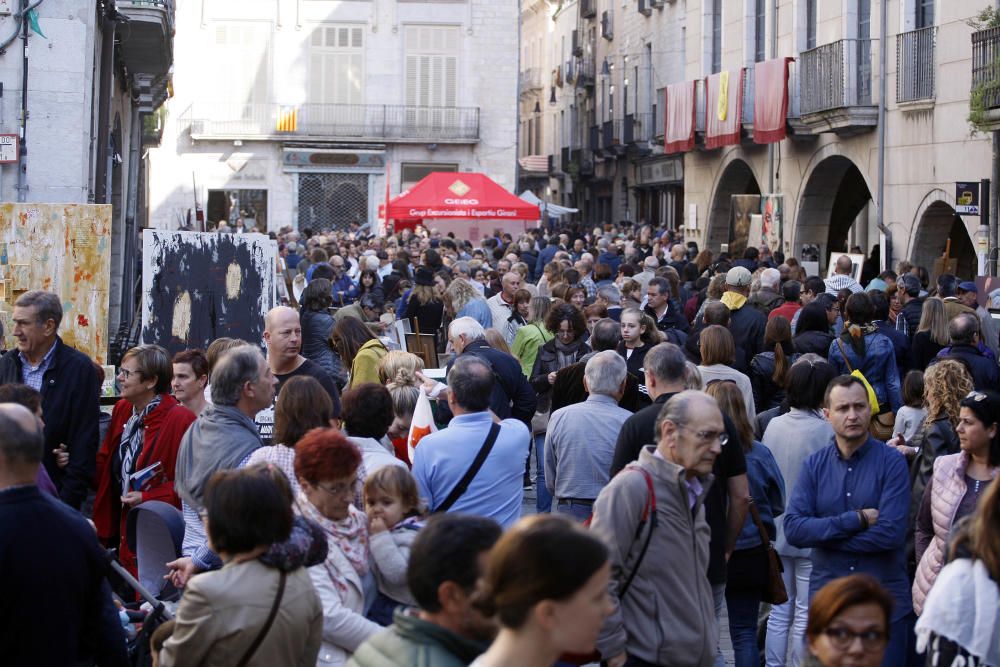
(937, 224)
(835, 195)
(736, 179)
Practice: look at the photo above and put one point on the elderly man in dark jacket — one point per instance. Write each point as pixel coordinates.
(964, 334)
(67, 381)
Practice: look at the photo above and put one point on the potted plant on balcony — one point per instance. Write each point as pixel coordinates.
(984, 98)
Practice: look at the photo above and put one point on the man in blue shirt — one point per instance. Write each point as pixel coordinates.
(850, 505)
(442, 459)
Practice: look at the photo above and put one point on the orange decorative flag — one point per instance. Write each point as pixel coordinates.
(422, 424)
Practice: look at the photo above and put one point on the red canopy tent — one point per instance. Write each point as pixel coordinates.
(448, 197)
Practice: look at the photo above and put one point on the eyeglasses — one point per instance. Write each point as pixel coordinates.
(842, 638)
(707, 436)
(565, 334)
(126, 373)
(342, 489)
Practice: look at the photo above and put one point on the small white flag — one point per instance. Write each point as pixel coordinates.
(422, 424)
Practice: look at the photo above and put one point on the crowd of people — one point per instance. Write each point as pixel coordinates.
(702, 438)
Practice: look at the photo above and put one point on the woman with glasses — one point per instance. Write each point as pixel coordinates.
(565, 322)
(748, 564)
(137, 459)
(849, 623)
(326, 464)
(957, 483)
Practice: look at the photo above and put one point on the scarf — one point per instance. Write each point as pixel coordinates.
(854, 335)
(567, 354)
(349, 536)
(733, 300)
(131, 442)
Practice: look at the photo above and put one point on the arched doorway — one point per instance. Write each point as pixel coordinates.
(939, 223)
(736, 179)
(833, 210)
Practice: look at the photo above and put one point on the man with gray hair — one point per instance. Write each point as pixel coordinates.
(965, 347)
(767, 297)
(476, 464)
(649, 267)
(67, 380)
(222, 438)
(660, 562)
(49, 552)
(580, 440)
(610, 297)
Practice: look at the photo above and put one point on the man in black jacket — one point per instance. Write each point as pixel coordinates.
(54, 569)
(746, 323)
(964, 334)
(67, 380)
(664, 308)
(908, 289)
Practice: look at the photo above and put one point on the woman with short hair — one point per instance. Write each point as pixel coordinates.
(225, 617)
(317, 323)
(367, 413)
(849, 623)
(326, 464)
(190, 379)
(138, 458)
(718, 352)
(544, 611)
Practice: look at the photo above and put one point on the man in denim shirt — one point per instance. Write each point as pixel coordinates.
(850, 505)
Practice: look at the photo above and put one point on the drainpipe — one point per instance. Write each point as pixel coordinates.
(774, 54)
(880, 211)
(517, 106)
(22, 165)
(102, 186)
(129, 238)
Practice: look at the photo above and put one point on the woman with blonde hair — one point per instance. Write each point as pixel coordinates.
(932, 333)
(464, 300)
(552, 275)
(533, 335)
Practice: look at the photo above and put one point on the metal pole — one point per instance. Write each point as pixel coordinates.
(880, 211)
(774, 54)
(102, 181)
(129, 238)
(22, 163)
(517, 107)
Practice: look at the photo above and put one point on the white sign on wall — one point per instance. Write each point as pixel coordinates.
(8, 148)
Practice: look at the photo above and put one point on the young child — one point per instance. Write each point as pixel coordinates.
(395, 514)
(910, 417)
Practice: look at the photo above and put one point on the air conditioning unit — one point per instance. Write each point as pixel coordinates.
(607, 30)
(645, 7)
(577, 44)
(588, 9)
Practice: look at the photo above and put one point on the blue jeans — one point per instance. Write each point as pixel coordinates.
(743, 606)
(902, 644)
(543, 499)
(576, 511)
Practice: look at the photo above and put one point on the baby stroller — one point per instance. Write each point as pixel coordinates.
(154, 531)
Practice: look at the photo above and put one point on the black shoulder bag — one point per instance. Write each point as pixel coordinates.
(470, 474)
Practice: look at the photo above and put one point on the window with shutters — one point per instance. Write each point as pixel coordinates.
(241, 64)
(336, 80)
(431, 91)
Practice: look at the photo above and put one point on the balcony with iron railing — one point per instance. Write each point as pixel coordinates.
(360, 122)
(984, 99)
(531, 80)
(611, 137)
(147, 43)
(594, 139)
(915, 65)
(836, 87)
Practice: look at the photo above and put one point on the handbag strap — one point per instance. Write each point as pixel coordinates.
(843, 353)
(765, 539)
(245, 660)
(648, 516)
(463, 484)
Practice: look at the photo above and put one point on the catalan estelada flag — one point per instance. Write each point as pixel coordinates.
(288, 119)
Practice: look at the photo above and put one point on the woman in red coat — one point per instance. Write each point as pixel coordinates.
(146, 429)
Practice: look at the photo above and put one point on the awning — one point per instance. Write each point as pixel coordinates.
(770, 100)
(680, 124)
(550, 209)
(724, 108)
(452, 195)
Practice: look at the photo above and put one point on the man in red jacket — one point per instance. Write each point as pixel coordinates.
(790, 292)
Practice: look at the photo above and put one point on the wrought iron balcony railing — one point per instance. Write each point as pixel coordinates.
(915, 65)
(836, 75)
(208, 120)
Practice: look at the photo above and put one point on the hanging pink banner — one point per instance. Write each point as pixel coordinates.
(723, 108)
(679, 125)
(770, 100)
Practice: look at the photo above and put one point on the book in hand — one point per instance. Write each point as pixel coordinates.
(148, 477)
